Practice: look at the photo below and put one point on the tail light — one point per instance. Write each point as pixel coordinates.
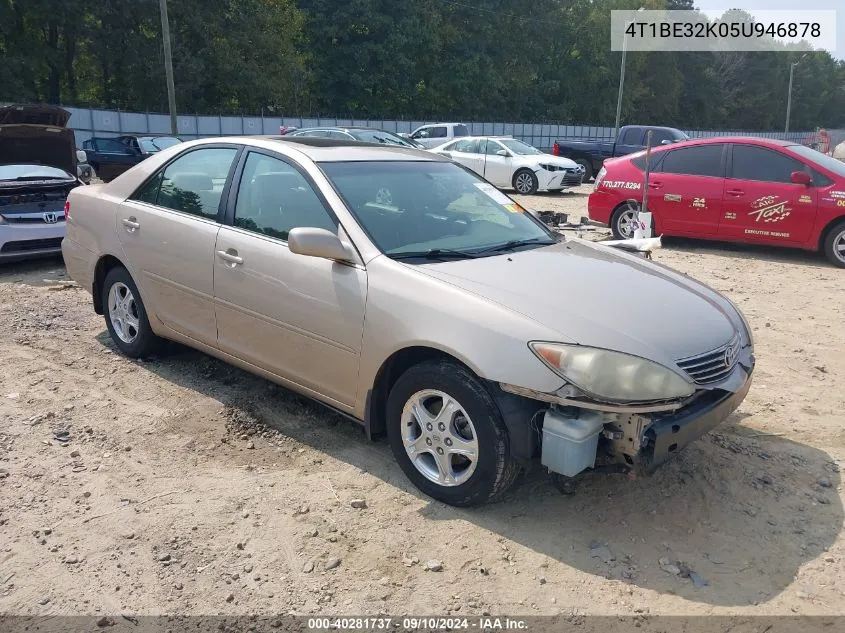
(67, 209)
(556, 149)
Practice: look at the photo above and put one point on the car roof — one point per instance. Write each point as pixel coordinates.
(754, 140)
(338, 150)
(343, 128)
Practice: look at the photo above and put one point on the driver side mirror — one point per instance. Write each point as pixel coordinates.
(503, 152)
(801, 178)
(313, 242)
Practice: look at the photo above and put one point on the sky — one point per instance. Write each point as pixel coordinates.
(775, 5)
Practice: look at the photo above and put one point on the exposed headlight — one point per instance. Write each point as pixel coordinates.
(613, 376)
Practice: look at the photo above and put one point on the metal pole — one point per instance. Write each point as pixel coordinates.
(789, 96)
(168, 67)
(621, 84)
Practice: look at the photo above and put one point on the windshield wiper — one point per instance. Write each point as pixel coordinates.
(23, 178)
(512, 244)
(433, 253)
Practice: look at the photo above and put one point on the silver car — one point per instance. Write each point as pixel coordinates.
(38, 168)
(405, 292)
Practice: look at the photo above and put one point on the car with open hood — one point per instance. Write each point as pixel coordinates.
(510, 163)
(407, 293)
(38, 167)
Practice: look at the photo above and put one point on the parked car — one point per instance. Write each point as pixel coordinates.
(435, 134)
(110, 157)
(632, 138)
(363, 134)
(507, 162)
(404, 291)
(735, 189)
(37, 171)
(284, 129)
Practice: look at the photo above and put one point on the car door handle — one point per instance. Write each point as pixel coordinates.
(654, 185)
(230, 257)
(131, 224)
(735, 192)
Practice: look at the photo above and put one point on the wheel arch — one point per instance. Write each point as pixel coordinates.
(516, 411)
(101, 269)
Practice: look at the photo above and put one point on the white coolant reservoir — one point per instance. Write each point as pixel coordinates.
(570, 444)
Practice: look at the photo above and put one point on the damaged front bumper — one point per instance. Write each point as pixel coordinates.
(640, 436)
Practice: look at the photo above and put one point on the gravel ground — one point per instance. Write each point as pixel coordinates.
(183, 485)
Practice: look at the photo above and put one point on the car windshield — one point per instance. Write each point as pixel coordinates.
(822, 160)
(424, 207)
(32, 172)
(157, 144)
(379, 136)
(520, 148)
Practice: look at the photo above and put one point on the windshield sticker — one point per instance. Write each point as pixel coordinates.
(699, 203)
(514, 208)
(672, 197)
(494, 194)
(805, 199)
(621, 184)
(768, 209)
(765, 233)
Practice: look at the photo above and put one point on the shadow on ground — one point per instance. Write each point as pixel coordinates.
(744, 510)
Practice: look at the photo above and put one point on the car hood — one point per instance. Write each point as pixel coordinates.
(544, 159)
(593, 295)
(38, 145)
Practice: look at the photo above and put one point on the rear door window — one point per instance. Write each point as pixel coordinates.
(467, 146)
(193, 183)
(701, 160)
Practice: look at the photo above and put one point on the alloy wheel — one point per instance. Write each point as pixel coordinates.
(123, 312)
(439, 437)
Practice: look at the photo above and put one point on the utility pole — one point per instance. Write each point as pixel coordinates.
(168, 67)
(789, 96)
(622, 77)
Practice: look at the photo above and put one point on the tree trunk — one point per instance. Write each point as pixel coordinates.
(54, 81)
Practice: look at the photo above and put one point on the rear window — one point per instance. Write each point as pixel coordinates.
(461, 130)
(159, 143)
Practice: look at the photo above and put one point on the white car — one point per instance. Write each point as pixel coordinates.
(507, 162)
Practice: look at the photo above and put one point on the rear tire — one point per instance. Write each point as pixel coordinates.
(588, 169)
(525, 182)
(834, 245)
(472, 426)
(620, 221)
(126, 317)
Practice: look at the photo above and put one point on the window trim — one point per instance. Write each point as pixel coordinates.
(224, 196)
(729, 166)
(723, 161)
(235, 186)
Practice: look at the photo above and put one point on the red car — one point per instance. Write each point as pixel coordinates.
(735, 189)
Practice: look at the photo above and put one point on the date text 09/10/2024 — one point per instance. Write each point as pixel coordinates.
(484, 623)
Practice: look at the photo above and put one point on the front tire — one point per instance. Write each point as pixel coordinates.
(525, 182)
(126, 317)
(834, 245)
(448, 435)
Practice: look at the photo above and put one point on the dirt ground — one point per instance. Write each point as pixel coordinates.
(183, 485)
